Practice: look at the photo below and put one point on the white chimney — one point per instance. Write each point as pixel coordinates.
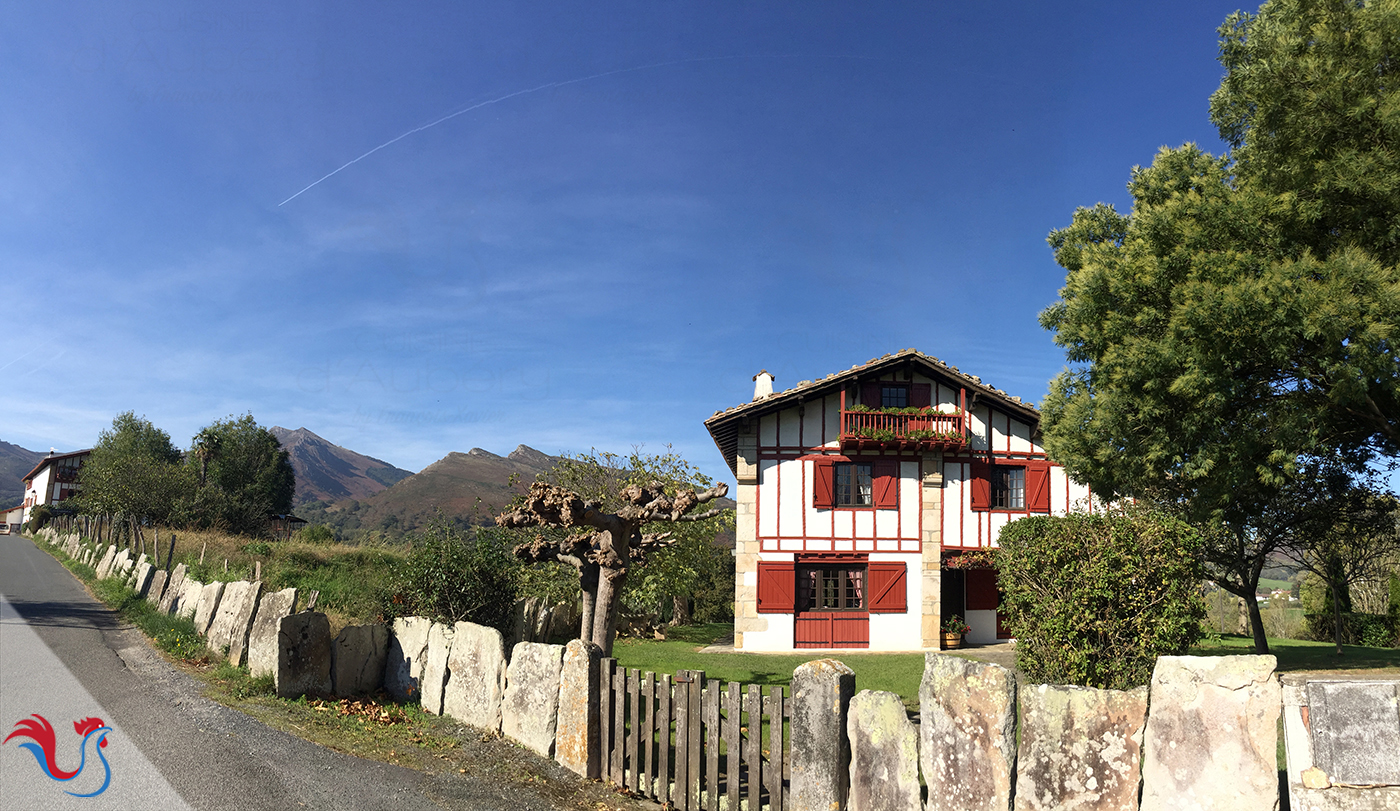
(763, 385)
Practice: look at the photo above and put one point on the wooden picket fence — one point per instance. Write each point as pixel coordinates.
(697, 745)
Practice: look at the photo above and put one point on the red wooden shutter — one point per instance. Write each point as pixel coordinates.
(885, 473)
(823, 484)
(870, 394)
(887, 588)
(775, 587)
(921, 395)
(1038, 487)
(981, 483)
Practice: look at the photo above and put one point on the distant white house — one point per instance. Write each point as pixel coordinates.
(53, 480)
(12, 520)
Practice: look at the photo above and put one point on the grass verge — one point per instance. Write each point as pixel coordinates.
(376, 729)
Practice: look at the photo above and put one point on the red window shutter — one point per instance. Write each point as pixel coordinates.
(775, 587)
(981, 483)
(921, 395)
(823, 484)
(887, 588)
(885, 473)
(1038, 487)
(870, 394)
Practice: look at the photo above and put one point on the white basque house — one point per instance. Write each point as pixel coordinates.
(52, 481)
(857, 490)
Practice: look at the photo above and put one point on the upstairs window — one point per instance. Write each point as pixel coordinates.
(854, 485)
(894, 396)
(1008, 488)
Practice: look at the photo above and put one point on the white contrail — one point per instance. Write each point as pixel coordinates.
(527, 91)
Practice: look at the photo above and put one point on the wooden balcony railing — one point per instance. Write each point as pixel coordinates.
(929, 429)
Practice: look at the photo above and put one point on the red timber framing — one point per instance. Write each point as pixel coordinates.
(838, 530)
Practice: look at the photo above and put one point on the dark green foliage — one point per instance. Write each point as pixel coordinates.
(455, 576)
(38, 518)
(1093, 600)
(1367, 630)
(258, 548)
(134, 471)
(244, 476)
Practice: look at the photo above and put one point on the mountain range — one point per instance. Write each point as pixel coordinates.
(14, 463)
(328, 472)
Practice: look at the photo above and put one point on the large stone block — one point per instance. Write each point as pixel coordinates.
(174, 586)
(1342, 734)
(1212, 734)
(436, 668)
(478, 683)
(303, 655)
(233, 619)
(578, 746)
(1081, 749)
(189, 598)
(104, 567)
(531, 704)
(208, 606)
(967, 734)
(884, 753)
(157, 588)
(357, 659)
(267, 622)
(142, 582)
(821, 753)
(403, 668)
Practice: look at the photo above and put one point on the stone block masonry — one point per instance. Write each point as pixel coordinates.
(884, 753)
(435, 669)
(1081, 749)
(478, 684)
(357, 659)
(530, 706)
(262, 637)
(967, 734)
(229, 628)
(821, 752)
(1212, 735)
(403, 667)
(577, 746)
(303, 655)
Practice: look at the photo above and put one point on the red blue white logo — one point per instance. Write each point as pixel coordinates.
(43, 747)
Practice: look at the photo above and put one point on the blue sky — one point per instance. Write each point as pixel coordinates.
(635, 207)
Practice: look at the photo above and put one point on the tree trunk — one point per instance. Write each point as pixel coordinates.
(680, 611)
(1336, 617)
(588, 583)
(605, 610)
(1256, 621)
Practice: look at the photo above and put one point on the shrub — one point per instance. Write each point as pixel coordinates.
(1093, 600)
(38, 518)
(316, 534)
(454, 576)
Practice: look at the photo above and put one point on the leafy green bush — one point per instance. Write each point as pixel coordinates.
(454, 576)
(38, 518)
(316, 534)
(1368, 630)
(258, 549)
(1093, 600)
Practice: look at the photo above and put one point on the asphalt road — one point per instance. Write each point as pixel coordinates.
(67, 657)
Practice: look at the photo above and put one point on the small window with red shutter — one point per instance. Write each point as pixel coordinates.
(855, 483)
(775, 587)
(888, 586)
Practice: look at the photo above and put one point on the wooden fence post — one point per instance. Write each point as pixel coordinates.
(663, 752)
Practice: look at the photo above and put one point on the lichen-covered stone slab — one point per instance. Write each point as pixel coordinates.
(821, 753)
(303, 655)
(104, 567)
(967, 734)
(478, 683)
(1212, 735)
(262, 636)
(174, 587)
(189, 598)
(435, 668)
(208, 606)
(403, 667)
(1081, 748)
(234, 618)
(577, 744)
(357, 659)
(157, 588)
(531, 704)
(142, 583)
(884, 753)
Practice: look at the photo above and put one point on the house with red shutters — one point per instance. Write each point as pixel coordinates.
(858, 493)
(53, 480)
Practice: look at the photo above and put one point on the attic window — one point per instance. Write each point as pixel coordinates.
(894, 395)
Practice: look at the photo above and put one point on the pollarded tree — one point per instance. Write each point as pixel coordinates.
(604, 545)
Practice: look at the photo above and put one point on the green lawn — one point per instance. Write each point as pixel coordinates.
(901, 672)
(1298, 654)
